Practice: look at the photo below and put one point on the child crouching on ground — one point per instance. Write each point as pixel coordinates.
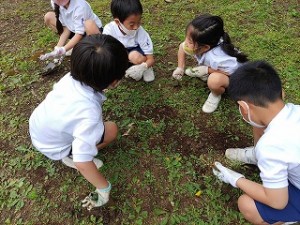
(256, 87)
(217, 57)
(68, 124)
(126, 27)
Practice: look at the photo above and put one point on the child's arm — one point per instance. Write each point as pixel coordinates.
(181, 57)
(73, 41)
(63, 37)
(179, 71)
(276, 198)
(91, 173)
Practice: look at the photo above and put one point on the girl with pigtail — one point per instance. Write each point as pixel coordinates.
(71, 19)
(217, 57)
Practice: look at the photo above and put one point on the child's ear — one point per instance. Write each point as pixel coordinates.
(117, 21)
(243, 107)
(206, 48)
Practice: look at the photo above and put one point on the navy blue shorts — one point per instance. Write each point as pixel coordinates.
(290, 213)
(137, 48)
(72, 33)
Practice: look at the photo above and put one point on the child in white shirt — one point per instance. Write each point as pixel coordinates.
(71, 19)
(68, 124)
(217, 57)
(126, 27)
(256, 87)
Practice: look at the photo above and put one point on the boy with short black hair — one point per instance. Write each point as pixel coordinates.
(68, 124)
(126, 27)
(256, 87)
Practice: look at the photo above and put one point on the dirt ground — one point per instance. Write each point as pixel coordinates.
(13, 34)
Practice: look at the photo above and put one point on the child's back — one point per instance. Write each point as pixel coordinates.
(68, 124)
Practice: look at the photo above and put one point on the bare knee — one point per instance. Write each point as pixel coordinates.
(111, 131)
(248, 208)
(136, 58)
(49, 18)
(217, 82)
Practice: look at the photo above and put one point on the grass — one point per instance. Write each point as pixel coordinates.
(160, 171)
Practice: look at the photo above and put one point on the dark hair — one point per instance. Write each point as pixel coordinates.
(122, 9)
(207, 30)
(256, 82)
(98, 60)
(59, 26)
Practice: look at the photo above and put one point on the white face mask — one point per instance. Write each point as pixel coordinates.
(187, 50)
(252, 123)
(126, 31)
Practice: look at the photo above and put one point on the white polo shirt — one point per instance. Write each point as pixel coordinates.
(141, 38)
(278, 150)
(73, 18)
(217, 59)
(70, 116)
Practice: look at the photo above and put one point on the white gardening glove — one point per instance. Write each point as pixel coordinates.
(199, 71)
(226, 175)
(97, 198)
(57, 52)
(178, 73)
(136, 71)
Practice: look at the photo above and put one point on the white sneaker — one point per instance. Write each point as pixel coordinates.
(69, 52)
(245, 155)
(148, 75)
(68, 161)
(211, 103)
(199, 71)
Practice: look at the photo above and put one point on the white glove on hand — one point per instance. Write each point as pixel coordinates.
(97, 198)
(58, 51)
(226, 175)
(136, 71)
(199, 71)
(178, 73)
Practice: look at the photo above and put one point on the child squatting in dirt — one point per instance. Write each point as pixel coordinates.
(68, 124)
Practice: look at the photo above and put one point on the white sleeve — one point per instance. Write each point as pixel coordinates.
(107, 30)
(86, 136)
(79, 17)
(272, 166)
(144, 41)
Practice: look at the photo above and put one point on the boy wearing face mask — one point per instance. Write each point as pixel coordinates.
(126, 27)
(256, 87)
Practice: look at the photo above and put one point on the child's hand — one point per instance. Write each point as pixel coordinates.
(97, 198)
(178, 73)
(58, 51)
(136, 71)
(226, 175)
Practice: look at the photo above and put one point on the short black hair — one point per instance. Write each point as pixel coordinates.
(256, 82)
(122, 9)
(98, 60)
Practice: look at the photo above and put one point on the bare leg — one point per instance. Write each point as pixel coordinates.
(217, 82)
(136, 58)
(111, 132)
(50, 20)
